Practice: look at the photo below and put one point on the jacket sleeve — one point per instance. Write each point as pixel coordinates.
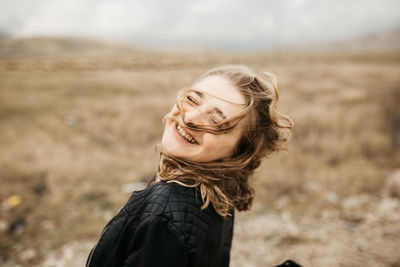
(155, 243)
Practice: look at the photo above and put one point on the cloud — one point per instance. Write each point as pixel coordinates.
(231, 24)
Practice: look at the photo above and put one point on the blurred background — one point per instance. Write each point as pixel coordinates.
(84, 86)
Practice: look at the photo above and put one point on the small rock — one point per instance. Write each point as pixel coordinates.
(328, 215)
(29, 255)
(68, 253)
(355, 207)
(291, 228)
(47, 225)
(315, 186)
(3, 225)
(70, 120)
(135, 186)
(389, 209)
(282, 203)
(331, 197)
(392, 185)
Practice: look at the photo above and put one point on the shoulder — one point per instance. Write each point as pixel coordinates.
(180, 206)
(163, 198)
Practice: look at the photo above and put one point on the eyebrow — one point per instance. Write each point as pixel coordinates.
(200, 94)
(217, 110)
(220, 113)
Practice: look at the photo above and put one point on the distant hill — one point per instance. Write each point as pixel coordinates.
(48, 53)
(386, 41)
(49, 47)
(78, 48)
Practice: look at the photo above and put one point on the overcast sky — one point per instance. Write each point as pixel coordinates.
(223, 24)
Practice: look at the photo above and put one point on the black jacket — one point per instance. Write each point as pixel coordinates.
(163, 225)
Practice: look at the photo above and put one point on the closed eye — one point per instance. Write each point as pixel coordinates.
(191, 100)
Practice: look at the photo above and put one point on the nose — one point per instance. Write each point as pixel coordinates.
(194, 116)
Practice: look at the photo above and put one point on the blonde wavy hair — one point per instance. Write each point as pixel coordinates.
(225, 183)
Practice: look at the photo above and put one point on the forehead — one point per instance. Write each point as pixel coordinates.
(221, 88)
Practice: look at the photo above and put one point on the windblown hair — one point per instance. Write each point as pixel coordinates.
(224, 183)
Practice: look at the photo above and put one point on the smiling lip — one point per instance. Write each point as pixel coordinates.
(183, 139)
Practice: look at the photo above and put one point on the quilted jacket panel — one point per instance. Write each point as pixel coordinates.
(163, 225)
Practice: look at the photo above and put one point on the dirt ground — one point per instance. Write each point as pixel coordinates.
(79, 122)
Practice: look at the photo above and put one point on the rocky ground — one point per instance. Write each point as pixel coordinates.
(365, 232)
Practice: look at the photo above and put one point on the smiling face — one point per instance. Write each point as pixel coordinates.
(209, 102)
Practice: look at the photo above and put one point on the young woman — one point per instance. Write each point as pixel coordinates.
(214, 138)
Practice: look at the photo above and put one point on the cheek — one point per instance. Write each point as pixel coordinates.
(220, 143)
(209, 140)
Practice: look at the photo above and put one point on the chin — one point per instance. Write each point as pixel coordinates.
(171, 146)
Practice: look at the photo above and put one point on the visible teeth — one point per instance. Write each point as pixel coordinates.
(185, 135)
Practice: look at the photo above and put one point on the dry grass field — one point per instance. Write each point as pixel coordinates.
(79, 122)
